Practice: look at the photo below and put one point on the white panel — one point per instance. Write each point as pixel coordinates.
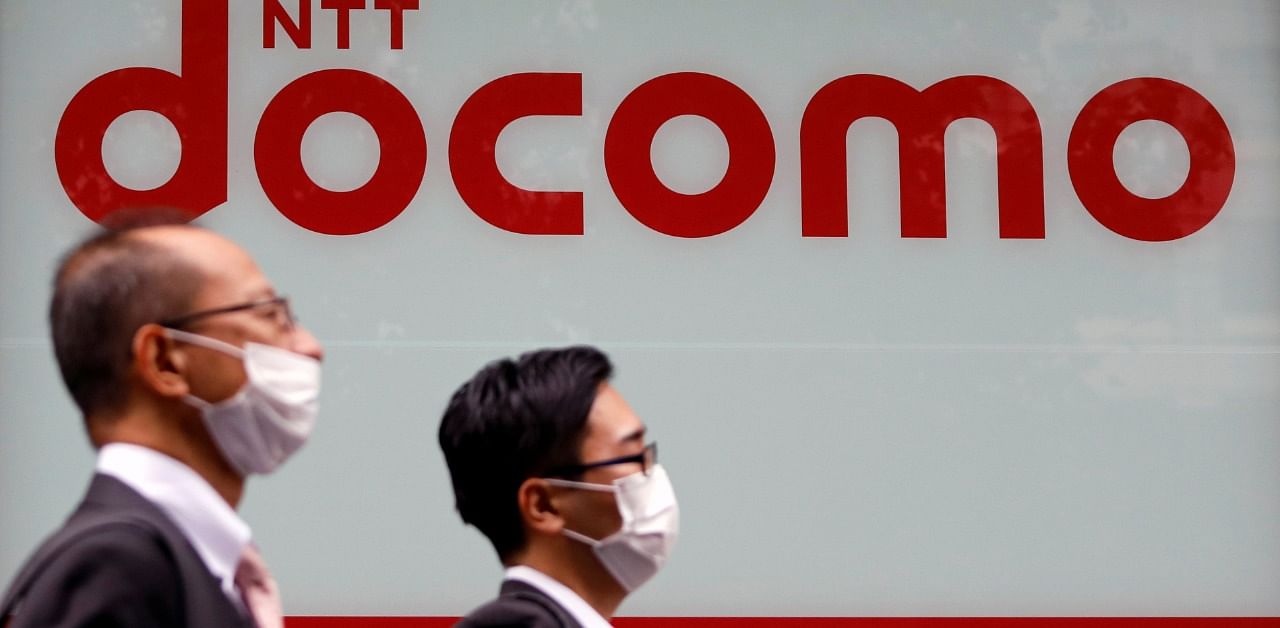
(1083, 424)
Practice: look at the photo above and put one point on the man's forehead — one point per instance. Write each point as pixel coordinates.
(223, 263)
(189, 242)
(611, 419)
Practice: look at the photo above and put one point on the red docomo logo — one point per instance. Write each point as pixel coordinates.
(196, 103)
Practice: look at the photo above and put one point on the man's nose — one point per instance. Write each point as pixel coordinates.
(305, 342)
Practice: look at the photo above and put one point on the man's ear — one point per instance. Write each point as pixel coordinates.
(158, 363)
(538, 508)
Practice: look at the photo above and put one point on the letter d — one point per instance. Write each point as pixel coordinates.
(196, 104)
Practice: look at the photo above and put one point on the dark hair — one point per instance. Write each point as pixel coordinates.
(105, 288)
(514, 420)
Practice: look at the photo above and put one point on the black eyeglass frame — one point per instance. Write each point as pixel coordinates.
(186, 319)
(649, 453)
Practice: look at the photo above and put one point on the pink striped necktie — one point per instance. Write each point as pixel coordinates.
(258, 590)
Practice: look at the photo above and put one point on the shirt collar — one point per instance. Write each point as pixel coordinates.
(212, 527)
(564, 596)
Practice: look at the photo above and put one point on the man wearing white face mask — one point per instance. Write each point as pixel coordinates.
(551, 464)
(191, 375)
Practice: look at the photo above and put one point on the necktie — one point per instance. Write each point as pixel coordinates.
(258, 589)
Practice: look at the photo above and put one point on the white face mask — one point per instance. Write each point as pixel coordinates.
(650, 525)
(272, 415)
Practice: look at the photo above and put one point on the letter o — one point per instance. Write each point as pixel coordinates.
(1090, 159)
(629, 140)
(277, 152)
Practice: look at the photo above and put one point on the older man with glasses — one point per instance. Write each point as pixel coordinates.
(550, 463)
(191, 374)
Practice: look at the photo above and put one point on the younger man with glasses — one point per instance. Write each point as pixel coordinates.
(550, 463)
(191, 374)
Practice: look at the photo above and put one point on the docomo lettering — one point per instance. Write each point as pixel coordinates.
(195, 101)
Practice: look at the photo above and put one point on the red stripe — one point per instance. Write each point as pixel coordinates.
(832, 622)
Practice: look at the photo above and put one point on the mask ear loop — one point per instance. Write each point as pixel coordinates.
(586, 486)
(208, 343)
(204, 341)
(580, 537)
(196, 402)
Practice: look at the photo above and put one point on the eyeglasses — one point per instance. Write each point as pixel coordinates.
(646, 458)
(280, 312)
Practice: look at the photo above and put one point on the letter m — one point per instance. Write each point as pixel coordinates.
(921, 120)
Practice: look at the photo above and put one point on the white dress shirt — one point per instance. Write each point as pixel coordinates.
(564, 596)
(212, 527)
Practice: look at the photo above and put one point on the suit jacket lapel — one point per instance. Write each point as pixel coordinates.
(108, 500)
(206, 603)
(526, 591)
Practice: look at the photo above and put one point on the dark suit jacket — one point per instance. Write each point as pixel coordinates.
(118, 561)
(520, 604)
